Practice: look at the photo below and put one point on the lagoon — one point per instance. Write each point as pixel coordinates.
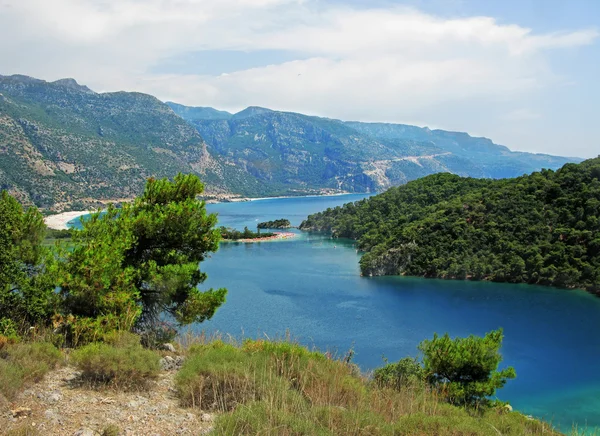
(311, 287)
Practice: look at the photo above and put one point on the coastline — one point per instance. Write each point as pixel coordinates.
(60, 220)
(278, 236)
(244, 199)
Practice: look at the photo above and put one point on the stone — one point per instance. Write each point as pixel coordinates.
(207, 417)
(167, 363)
(169, 347)
(84, 432)
(54, 397)
(52, 415)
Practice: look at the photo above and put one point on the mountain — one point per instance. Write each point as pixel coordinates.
(198, 113)
(288, 150)
(64, 145)
(61, 143)
(541, 228)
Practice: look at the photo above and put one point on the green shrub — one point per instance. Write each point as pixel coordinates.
(465, 369)
(122, 368)
(122, 339)
(281, 388)
(24, 363)
(216, 377)
(405, 373)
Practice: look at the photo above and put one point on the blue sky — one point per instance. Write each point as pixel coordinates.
(523, 73)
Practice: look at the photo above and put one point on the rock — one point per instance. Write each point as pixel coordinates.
(508, 408)
(207, 417)
(167, 363)
(84, 432)
(169, 347)
(52, 415)
(54, 397)
(21, 412)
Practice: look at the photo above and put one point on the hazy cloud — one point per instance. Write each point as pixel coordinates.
(388, 64)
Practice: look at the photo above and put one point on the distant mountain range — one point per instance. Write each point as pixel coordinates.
(63, 144)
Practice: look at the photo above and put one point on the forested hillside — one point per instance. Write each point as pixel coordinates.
(541, 228)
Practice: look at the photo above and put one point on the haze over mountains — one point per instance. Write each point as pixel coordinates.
(61, 143)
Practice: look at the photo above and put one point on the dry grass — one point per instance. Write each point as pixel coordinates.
(124, 365)
(21, 364)
(281, 388)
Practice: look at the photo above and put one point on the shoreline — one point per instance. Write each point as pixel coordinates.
(60, 220)
(245, 199)
(278, 236)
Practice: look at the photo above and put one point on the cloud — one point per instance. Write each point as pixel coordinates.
(388, 64)
(522, 114)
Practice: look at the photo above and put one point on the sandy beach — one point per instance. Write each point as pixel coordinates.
(59, 221)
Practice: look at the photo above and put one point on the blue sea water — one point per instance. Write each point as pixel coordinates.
(311, 287)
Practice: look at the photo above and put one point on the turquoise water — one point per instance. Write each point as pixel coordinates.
(311, 287)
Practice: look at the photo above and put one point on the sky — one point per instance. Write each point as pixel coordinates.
(521, 72)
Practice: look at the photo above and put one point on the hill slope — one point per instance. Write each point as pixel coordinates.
(61, 142)
(541, 228)
(285, 149)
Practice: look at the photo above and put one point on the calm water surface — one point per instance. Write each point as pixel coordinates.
(312, 288)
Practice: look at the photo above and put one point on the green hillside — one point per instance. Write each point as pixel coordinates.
(541, 228)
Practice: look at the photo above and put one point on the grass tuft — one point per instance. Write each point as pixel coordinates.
(281, 388)
(129, 367)
(25, 363)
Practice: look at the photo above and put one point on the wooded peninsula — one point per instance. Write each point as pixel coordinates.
(542, 228)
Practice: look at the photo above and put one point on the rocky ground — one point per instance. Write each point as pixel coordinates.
(61, 405)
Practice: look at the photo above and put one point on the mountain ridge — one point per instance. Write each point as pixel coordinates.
(64, 145)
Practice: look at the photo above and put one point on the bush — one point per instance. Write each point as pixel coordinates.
(154, 336)
(127, 368)
(281, 388)
(465, 369)
(122, 339)
(405, 373)
(220, 376)
(24, 363)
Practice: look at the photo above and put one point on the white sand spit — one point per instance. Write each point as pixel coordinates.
(59, 221)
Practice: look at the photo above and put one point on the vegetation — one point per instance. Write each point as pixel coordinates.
(21, 364)
(130, 266)
(122, 271)
(62, 144)
(541, 228)
(124, 365)
(234, 235)
(281, 388)
(26, 289)
(276, 224)
(465, 369)
(290, 153)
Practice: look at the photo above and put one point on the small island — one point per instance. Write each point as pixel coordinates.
(233, 235)
(277, 224)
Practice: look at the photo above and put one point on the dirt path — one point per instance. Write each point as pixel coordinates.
(58, 405)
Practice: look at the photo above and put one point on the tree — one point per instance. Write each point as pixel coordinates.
(465, 369)
(133, 265)
(26, 289)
